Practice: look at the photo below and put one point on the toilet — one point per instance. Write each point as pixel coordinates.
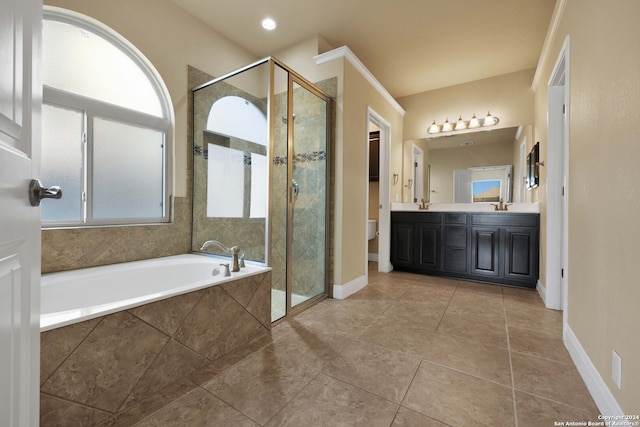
(371, 229)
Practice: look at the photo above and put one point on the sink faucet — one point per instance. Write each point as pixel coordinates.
(423, 206)
(233, 250)
(501, 206)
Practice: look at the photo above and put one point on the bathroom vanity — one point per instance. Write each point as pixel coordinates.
(498, 247)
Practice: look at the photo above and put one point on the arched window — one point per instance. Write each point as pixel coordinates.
(107, 126)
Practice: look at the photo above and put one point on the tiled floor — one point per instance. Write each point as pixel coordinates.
(407, 350)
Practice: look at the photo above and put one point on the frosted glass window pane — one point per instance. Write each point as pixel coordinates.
(225, 182)
(62, 162)
(258, 186)
(127, 171)
(82, 62)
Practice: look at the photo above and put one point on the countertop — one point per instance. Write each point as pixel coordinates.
(467, 207)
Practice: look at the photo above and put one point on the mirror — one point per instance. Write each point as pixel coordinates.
(485, 155)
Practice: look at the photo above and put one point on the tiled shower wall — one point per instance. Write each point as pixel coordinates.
(247, 233)
(97, 370)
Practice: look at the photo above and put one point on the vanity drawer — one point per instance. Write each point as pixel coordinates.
(455, 218)
(506, 219)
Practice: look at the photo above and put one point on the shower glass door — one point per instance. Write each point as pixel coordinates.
(298, 220)
(308, 200)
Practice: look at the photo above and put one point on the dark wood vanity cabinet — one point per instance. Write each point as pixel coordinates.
(493, 247)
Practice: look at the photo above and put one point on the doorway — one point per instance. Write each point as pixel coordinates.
(557, 165)
(384, 206)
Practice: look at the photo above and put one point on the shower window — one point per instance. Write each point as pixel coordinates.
(107, 120)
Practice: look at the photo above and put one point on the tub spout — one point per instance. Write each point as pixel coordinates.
(233, 250)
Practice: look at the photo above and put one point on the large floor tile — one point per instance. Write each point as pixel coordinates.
(349, 317)
(426, 292)
(313, 348)
(538, 343)
(375, 369)
(535, 317)
(484, 361)
(552, 380)
(197, 408)
(408, 418)
(330, 402)
(486, 330)
(534, 411)
(459, 399)
(411, 339)
(262, 384)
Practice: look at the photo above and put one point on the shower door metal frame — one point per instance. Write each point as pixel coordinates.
(293, 77)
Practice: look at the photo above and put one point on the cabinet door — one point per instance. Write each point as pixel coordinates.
(401, 244)
(484, 251)
(520, 256)
(428, 246)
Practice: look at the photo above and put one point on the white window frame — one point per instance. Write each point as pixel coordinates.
(93, 108)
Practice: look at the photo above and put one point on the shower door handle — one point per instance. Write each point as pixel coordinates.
(296, 187)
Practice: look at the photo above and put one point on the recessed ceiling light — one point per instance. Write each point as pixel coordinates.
(268, 24)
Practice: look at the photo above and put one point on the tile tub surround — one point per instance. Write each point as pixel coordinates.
(397, 353)
(93, 370)
(73, 248)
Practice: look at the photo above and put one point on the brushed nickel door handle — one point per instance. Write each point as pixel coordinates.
(37, 192)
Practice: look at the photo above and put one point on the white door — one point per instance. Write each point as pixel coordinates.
(20, 105)
(418, 174)
(462, 186)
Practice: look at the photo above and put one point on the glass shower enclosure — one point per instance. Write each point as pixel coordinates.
(261, 176)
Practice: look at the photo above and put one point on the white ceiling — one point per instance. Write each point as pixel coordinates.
(410, 46)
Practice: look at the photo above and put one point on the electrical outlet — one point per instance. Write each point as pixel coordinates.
(616, 368)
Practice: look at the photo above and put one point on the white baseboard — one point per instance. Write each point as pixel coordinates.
(349, 288)
(372, 257)
(601, 394)
(542, 291)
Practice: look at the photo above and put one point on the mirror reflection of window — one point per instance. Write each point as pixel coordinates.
(236, 157)
(483, 184)
(225, 182)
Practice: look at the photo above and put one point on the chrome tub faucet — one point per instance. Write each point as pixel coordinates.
(233, 250)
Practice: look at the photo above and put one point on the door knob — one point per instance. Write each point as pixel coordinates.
(37, 192)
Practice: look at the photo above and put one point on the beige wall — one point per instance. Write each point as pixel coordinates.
(604, 189)
(351, 171)
(508, 97)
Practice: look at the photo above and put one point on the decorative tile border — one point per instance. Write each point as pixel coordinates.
(314, 156)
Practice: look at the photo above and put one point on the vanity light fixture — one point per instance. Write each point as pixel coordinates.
(490, 120)
(446, 126)
(474, 122)
(461, 124)
(268, 24)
